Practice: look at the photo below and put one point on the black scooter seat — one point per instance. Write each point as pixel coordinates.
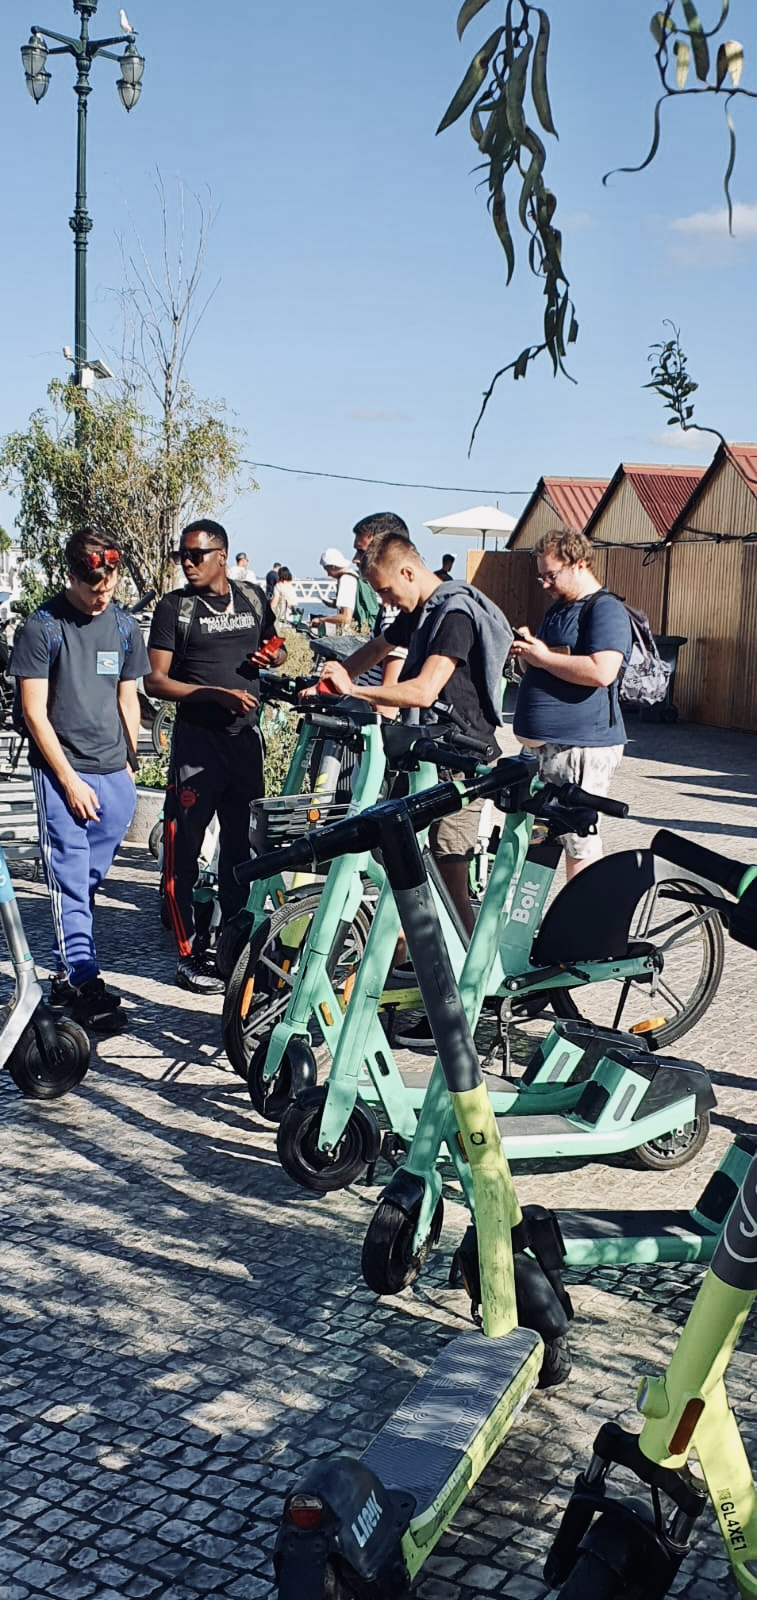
(425, 1442)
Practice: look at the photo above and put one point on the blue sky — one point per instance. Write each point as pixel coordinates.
(362, 308)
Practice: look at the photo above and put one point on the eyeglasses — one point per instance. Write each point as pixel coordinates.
(194, 553)
(548, 577)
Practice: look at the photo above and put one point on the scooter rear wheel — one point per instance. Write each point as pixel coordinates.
(388, 1263)
(162, 728)
(43, 1080)
(297, 1145)
(691, 943)
(674, 1149)
(297, 1071)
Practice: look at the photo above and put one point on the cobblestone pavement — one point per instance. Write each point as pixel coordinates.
(183, 1328)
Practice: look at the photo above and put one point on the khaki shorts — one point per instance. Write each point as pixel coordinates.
(456, 836)
(594, 768)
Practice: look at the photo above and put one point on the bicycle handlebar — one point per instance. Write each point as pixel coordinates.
(709, 864)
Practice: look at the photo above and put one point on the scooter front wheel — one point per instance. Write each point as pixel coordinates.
(674, 1149)
(297, 1145)
(388, 1262)
(41, 1079)
(592, 1579)
(297, 1071)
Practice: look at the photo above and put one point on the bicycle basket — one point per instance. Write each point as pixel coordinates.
(285, 817)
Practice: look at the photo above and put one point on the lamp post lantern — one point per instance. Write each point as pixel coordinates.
(84, 50)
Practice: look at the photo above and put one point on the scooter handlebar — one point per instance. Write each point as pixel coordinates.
(709, 864)
(571, 794)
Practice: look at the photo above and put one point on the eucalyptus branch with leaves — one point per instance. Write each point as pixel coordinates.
(670, 379)
(505, 93)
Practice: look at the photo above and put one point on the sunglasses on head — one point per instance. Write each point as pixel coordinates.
(193, 553)
(95, 567)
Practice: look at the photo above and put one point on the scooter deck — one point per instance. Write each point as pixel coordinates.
(628, 1238)
(549, 1137)
(437, 1443)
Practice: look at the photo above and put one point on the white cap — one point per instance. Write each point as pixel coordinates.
(334, 558)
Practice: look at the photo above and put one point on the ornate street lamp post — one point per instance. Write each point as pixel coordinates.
(34, 56)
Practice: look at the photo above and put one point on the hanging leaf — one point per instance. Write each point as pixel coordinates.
(539, 92)
(520, 367)
(466, 14)
(660, 26)
(683, 61)
(730, 61)
(652, 149)
(698, 40)
(499, 218)
(472, 81)
(729, 168)
(515, 90)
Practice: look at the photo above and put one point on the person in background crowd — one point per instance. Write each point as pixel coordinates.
(77, 660)
(568, 709)
(271, 579)
(364, 533)
(337, 566)
(444, 572)
(242, 571)
(283, 599)
(205, 654)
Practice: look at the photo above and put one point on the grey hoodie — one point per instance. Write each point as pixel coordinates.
(494, 637)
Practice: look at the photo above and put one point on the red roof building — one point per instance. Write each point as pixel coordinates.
(642, 503)
(556, 503)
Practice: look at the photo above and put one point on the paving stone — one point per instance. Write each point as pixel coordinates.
(205, 1331)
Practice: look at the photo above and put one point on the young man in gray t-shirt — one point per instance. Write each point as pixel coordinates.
(77, 660)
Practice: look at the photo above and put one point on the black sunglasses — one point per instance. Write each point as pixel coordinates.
(194, 553)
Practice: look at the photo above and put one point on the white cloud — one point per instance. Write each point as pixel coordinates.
(706, 223)
(689, 442)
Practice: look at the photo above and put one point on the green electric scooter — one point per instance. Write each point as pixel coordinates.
(407, 1220)
(322, 1141)
(362, 1529)
(608, 1547)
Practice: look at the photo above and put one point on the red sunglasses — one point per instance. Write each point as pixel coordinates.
(93, 560)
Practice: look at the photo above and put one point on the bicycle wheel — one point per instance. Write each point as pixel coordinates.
(263, 978)
(689, 942)
(162, 728)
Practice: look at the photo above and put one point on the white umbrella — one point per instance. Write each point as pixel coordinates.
(467, 524)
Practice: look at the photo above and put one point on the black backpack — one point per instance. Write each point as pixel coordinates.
(643, 679)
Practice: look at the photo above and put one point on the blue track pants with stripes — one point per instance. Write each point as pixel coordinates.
(75, 858)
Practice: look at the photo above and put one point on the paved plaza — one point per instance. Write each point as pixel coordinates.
(182, 1328)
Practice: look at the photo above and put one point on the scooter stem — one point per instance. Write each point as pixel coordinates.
(497, 1210)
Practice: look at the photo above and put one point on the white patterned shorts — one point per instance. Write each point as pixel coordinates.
(594, 767)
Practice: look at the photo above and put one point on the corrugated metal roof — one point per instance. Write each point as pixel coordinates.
(574, 499)
(663, 491)
(743, 458)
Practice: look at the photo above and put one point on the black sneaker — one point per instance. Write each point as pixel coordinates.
(416, 1036)
(96, 1007)
(192, 974)
(62, 993)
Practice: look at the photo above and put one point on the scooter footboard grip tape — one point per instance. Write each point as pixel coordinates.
(709, 864)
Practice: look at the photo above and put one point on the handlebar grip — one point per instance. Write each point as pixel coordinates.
(449, 756)
(286, 859)
(709, 864)
(338, 727)
(571, 794)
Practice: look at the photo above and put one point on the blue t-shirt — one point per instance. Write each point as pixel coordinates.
(556, 712)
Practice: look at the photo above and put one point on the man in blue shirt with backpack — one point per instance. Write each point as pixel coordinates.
(77, 660)
(568, 706)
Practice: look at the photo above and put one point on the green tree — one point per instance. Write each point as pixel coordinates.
(143, 461)
(506, 96)
(115, 470)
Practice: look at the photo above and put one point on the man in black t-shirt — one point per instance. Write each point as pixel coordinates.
(205, 654)
(457, 643)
